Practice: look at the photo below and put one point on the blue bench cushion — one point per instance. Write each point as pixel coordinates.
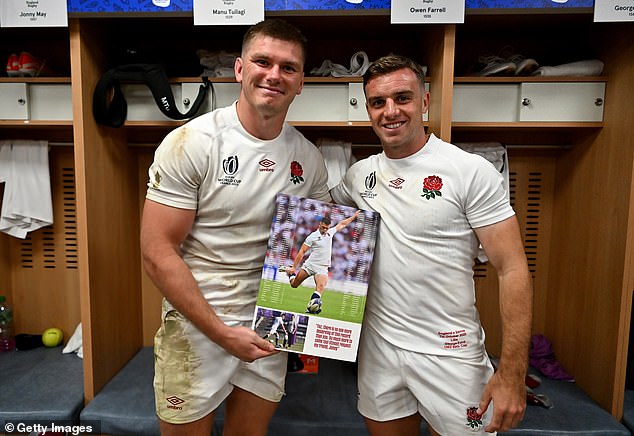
(331, 395)
(125, 405)
(628, 410)
(41, 384)
(573, 413)
(325, 403)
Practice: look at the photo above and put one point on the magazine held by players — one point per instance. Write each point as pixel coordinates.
(315, 277)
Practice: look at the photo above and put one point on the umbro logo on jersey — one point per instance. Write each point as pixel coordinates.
(174, 402)
(266, 165)
(396, 183)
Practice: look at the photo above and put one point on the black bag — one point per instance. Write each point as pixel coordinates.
(112, 111)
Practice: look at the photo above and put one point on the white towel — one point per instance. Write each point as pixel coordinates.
(591, 67)
(217, 64)
(495, 153)
(75, 343)
(359, 63)
(338, 158)
(5, 161)
(27, 204)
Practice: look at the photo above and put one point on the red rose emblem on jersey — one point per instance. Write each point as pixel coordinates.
(296, 172)
(474, 419)
(431, 187)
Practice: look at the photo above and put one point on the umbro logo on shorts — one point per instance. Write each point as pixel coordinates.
(175, 402)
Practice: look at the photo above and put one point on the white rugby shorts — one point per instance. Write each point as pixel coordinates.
(313, 269)
(193, 374)
(445, 390)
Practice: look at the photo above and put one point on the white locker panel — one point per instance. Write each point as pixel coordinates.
(224, 94)
(320, 102)
(356, 103)
(51, 101)
(14, 101)
(475, 102)
(562, 102)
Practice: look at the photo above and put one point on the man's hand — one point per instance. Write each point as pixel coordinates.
(245, 344)
(509, 402)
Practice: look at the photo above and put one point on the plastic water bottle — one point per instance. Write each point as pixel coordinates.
(7, 340)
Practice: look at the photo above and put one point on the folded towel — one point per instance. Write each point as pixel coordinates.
(591, 67)
(27, 204)
(359, 63)
(338, 158)
(217, 63)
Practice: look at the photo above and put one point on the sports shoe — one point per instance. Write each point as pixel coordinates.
(13, 65)
(30, 66)
(496, 66)
(506, 63)
(287, 271)
(524, 66)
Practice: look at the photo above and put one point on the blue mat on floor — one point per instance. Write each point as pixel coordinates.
(41, 385)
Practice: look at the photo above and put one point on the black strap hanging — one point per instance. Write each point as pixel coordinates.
(112, 109)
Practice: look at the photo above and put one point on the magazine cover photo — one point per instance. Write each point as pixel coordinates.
(315, 277)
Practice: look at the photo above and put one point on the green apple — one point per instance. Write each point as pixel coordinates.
(52, 337)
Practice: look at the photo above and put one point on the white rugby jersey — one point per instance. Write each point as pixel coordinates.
(213, 165)
(320, 247)
(421, 295)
